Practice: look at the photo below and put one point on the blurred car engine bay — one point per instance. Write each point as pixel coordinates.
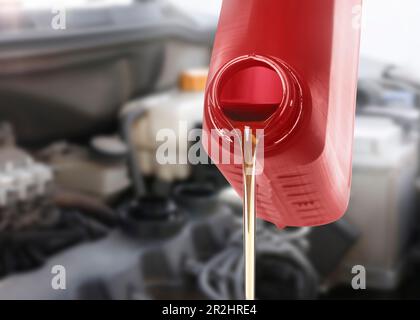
(80, 186)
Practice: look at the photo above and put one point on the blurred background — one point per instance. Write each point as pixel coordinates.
(80, 187)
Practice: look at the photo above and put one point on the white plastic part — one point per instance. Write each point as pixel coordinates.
(82, 174)
(42, 175)
(382, 204)
(6, 186)
(377, 141)
(176, 110)
(23, 180)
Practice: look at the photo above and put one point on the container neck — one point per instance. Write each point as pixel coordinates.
(257, 91)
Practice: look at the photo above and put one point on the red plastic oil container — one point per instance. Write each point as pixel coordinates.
(289, 67)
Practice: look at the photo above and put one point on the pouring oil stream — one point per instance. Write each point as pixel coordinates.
(249, 209)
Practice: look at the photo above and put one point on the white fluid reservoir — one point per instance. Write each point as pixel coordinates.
(170, 116)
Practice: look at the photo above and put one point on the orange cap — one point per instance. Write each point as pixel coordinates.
(193, 80)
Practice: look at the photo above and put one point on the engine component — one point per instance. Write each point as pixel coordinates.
(181, 264)
(175, 112)
(71, 84)
(283, 269)
(101, 171)
(25, 185)
(386, 165)
(152, 218)
(329, 244)
(32, 226)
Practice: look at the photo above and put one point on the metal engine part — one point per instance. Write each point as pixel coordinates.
(35, 221)
(71, 84)
(184, 260)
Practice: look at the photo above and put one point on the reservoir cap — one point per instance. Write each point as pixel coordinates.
(193, 80)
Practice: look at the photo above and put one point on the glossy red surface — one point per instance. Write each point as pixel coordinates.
(290, 67)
